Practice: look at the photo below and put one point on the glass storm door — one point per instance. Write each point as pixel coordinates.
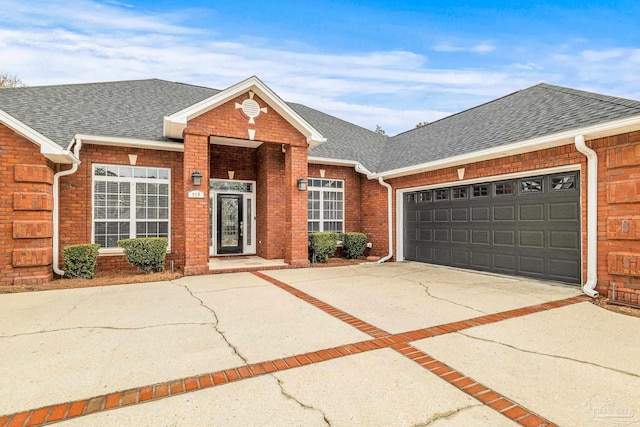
(229, 223)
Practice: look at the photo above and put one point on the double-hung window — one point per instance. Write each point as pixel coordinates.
(326, 205)
(130, 202)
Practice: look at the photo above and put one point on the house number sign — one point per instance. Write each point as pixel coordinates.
(195, 194)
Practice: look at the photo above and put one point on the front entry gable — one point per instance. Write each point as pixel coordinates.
(249, 110)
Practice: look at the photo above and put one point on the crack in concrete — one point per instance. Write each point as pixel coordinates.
(216, 324)
(302, 405)
(112, 328)
(446, 415)
(75, 306)
(556, 356)
(228, 289)
(426, 290)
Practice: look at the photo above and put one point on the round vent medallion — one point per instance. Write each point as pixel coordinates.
(251, 108)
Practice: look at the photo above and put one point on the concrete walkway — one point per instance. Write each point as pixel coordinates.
(399, 344)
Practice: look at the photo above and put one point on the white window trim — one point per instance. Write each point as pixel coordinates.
(132, 204)
(321, 220)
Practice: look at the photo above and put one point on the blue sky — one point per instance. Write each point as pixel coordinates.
(385, 63)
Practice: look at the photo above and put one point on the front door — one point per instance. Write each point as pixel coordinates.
(229, 223)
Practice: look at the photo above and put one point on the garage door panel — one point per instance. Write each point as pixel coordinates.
(441, 215)
(481, 260)
(460, 236)
(459, 215)
(425, 235)
(533, 212)
(564, 240)
(504, 213)
(460, 258)
(504, 263)
(526, 226)
(564, 269)
(442, 255)
(532, 238)
(481, 214)
(425, 215)
(441, 236)
(531, 265)
(480, 237)
(504, 237)
(563, 211)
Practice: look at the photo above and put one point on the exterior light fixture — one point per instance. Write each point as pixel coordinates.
(302, 184)
(196, 177)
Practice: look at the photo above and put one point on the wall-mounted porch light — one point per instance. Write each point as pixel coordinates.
(302, 184)
(196, 177)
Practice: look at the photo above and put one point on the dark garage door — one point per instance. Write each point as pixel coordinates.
(525, 227)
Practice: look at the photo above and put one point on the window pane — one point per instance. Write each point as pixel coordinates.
(531, 185)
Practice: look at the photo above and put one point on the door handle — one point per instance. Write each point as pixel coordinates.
(241, 228)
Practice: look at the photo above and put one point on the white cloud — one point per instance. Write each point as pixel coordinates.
(485, 47)
(75, 41)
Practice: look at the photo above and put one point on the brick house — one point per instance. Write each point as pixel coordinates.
(544, 182)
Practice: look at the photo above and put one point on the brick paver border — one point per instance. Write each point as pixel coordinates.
(382, 339)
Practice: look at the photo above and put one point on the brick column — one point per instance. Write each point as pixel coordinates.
(196, 211)
(295, 235)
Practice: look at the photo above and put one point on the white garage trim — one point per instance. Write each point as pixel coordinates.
(400, 194)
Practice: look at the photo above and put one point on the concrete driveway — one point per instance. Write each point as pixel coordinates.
(399, 344)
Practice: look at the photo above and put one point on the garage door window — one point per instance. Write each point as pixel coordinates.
(481, 190)
(563, 182)
(504, 188)
(531, 185)
(441, 194)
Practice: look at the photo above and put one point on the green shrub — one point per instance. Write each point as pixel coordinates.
(80, 260)
(147, 254)
(354, 244)
(321, 245)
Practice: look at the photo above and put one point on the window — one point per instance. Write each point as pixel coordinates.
(481, 190)
(410, 197)
(563, 182)
(326, 205)
(424, 196)
(129, 202)
(459, 192)
(531, 185)
(503, 188)
(441, 194)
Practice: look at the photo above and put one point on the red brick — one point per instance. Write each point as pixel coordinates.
(146, 393)
(161, 390)
(58, 412)
(18, 419)
(113, 400)
(38, 417)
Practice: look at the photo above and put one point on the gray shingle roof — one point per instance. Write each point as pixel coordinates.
(131, 109)
(537, 111)
(135, 109)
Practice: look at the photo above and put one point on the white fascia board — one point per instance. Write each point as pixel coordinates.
(549, 141)
(131, 142)
(175, 123)
(331, 162)
(48, 148)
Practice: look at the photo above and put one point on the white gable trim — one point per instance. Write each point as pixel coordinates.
(175, 124)
(48, 148)
(130, 142)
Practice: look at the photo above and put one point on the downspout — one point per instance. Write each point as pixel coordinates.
(361, 169)
(56, 206)
(592, 216)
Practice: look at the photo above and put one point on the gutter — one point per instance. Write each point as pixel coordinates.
(592, 216)
(361, 169)
(56, 205)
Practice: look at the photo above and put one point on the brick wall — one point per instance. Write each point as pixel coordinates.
(619, 216)
(76, 207)
(26, 205)
(352, 210)
(241, 160)
(279, 229)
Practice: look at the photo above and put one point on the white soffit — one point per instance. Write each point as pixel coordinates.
(233, 142)
(130, 142)
(175, 124)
